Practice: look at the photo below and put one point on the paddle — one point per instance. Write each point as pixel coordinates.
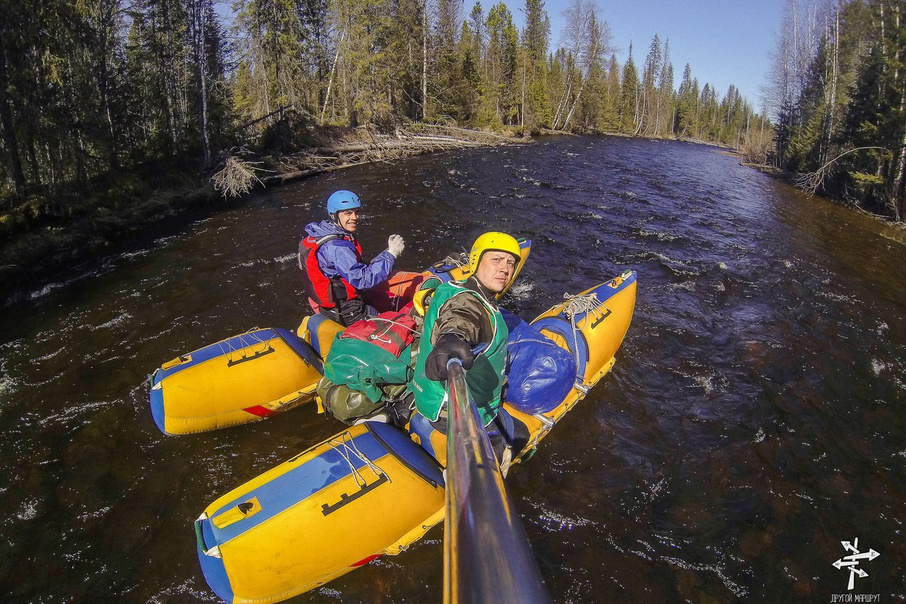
(487, 557)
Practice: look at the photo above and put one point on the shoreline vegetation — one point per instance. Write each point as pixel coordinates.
(50, 251)
(46, 248)
(114, 116)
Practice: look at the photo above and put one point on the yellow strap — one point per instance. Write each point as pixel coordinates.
(290, 398)
(233, 515)
(421, 299)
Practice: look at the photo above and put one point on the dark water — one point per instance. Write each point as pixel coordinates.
(754, 419)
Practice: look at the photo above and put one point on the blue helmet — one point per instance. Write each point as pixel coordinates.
(342, 200)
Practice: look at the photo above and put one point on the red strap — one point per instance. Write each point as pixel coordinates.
(259, 411)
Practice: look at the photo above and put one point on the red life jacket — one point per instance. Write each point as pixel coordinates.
(326, 291)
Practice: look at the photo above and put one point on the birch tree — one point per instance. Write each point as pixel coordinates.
(588, 40)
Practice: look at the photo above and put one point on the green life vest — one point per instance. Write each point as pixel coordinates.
(485, 378)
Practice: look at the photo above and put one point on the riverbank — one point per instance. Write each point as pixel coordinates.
(44, 248)
(48, 244)
(887, 227)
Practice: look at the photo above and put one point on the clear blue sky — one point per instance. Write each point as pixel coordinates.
(723, 41)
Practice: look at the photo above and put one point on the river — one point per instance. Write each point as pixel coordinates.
(754, 420)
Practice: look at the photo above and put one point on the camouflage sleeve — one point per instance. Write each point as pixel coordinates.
(465, 316)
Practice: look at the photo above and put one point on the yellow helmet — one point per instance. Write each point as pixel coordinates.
(494, 241)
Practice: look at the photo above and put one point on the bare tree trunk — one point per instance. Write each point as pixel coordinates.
(575, 104)
(835, 64)
(563, 100)
(898, 195)
(333, 70)
(202, 65)
(522, 112)
(105, 25)
(657, 114)
(171, 78)
(640, 113)
(276, 60)
(638, 118)
(10, 144)
(425, 61)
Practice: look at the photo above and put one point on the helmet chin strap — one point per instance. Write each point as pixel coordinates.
(336, 220)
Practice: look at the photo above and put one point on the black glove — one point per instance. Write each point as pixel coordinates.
(448, 346)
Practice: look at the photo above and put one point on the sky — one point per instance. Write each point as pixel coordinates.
(724, 41)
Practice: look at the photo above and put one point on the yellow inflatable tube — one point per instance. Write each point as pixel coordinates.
(235, 381)
(319, 515)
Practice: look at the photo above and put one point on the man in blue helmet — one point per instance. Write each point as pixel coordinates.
(331, 258)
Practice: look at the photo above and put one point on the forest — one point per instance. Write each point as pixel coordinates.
(106, 101)
(94, 89)
(837, 90)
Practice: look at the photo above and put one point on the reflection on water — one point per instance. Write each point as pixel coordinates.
(753, 420)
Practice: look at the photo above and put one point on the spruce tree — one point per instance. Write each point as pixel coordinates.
(630, 98)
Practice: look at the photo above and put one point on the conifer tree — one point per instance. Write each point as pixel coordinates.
(404, 36)
(535, 40)
(469, 61)
(650, 71)
(630, 98)
(875, 117)
(592, 105)
(665, 96)
(709, 126)
(556, 82)
(209, 99)
(610, 117)
(444, 71)
(499, 98)
(685, 105)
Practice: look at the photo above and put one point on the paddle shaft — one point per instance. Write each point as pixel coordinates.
(487, 557)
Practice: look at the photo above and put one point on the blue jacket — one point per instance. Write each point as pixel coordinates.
(338, 257)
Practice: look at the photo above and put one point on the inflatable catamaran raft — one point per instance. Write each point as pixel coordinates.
(262, 372)
(299, 525)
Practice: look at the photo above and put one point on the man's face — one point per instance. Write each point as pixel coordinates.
(348, 220)
(495, 269)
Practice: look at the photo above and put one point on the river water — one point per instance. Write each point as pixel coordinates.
(753, 422)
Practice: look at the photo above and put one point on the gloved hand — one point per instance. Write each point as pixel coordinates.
(395, 245)
(448, 346)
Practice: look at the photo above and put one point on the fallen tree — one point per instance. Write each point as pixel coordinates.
(361, 146)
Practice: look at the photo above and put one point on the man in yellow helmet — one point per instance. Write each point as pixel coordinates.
(461, 316)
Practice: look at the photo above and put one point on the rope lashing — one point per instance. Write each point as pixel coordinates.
(457, 262)
(347, 449)
(379, 336)
(576, 305)
(227, 348)
(580, 305)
